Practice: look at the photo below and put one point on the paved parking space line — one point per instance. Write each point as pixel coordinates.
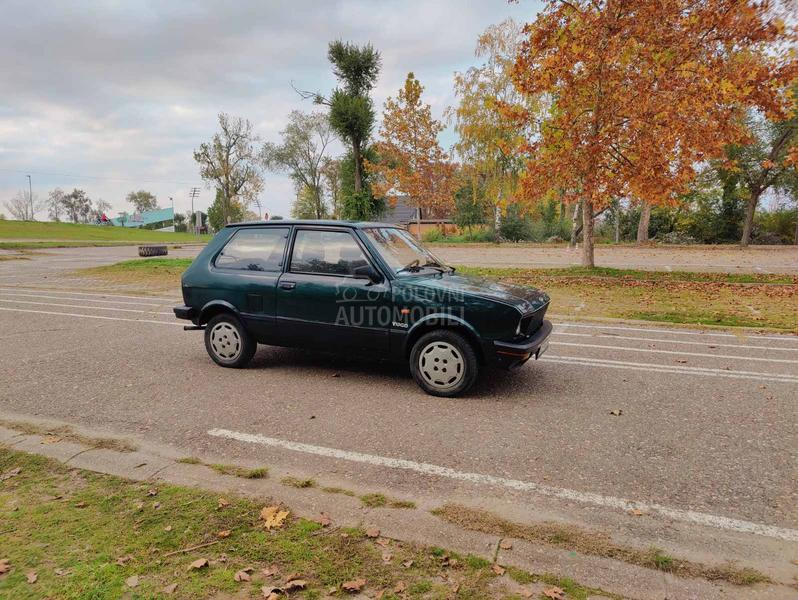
(752, 336)
(688, 516)
(615, 364)
(615, 336)
(676, 352)
(74, 299)
(57, 291)
(116, 308)
(62, 314)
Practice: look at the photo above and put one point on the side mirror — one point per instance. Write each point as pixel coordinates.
(367, 272)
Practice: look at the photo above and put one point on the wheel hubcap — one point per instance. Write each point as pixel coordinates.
(225, 341)
(441, 365)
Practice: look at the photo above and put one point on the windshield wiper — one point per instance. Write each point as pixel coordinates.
(435, 265)
(411, 266)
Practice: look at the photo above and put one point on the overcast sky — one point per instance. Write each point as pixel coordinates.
(114, 96)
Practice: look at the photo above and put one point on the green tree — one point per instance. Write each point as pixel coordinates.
(142, 201)
(306, 204)
(301, 154)
(515, 225)
(362, 205)
(220, 213)
(470, 207)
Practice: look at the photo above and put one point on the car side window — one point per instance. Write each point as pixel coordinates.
(254, 250)
(326, 253)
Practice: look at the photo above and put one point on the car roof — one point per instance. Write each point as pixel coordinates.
(318, 222)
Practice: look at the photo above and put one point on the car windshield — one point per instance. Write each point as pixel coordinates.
(401, 251)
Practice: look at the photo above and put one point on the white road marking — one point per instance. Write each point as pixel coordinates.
(116, 302)
(116, 308)
(62, 314)
(677, 352)
(613, 336)
(688, 516)
(617, 364)
(756, 336)
(57, 291)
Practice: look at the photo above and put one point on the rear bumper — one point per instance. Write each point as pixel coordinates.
(514, 354)
(185, 312)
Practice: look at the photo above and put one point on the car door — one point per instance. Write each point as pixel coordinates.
(323, 299)
(246, 272)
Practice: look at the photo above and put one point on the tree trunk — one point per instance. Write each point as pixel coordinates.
(418, 222)
(588, 259)
(748, 223)
(618, 224)
(358, 174)
(642, 226)
(795, 240)
(575, 225)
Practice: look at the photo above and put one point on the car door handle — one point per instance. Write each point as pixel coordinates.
(288, 285)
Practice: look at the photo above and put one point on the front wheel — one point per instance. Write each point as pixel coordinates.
(228, 343)
(444, 363)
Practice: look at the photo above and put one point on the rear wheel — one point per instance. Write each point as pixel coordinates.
(444, 363)
(227, 341)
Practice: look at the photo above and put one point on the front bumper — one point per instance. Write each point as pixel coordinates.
(514, 354)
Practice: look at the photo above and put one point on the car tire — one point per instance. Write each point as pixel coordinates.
(444, 363)
(228, 343)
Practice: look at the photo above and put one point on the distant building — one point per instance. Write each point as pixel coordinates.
(400, 211)
(162, 219)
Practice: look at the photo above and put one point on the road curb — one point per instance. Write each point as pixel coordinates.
(415, 526)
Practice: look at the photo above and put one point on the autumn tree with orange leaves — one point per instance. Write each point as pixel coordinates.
(411, 161)
(640, 92)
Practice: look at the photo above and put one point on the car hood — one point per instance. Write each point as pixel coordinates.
(524, 298)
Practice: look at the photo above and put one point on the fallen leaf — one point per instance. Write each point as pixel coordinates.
(270, 593)
(222, 558)
(81, 505)
(384, 542)
(399, 587)
(31, 576)
(498, 569)
(636, 512)
(293, 576)
(554, 593)
(373, 533)
(616, 413)
(51, 439)
(387, 557)
(156, 505)
(152, 492)
(407, 564)
(224, 533)
(273, 517)
(132, 581)
(353, 586)
(170, 589)
(270, 571)
(506, 545)
(198, 564)
(295, 584)
(12, 473)
(123, 560)
(167, 528)
(223, 503)
(5, 566)
(323, 519)
(681, 361)
(62, 572)
(242, 576)
(455, 588)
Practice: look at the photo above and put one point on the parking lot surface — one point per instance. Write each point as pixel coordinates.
(697, 428)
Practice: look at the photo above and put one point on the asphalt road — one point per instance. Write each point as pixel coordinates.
(706, 438)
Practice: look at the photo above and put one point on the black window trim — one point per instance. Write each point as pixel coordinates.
(349, 230)
(281, 267)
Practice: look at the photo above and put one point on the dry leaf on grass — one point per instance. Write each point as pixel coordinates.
(616, 413)
(554, 593)
(123, 560)
(498, 569)
(353, 586)
(170, 589)
(407, 564)
(152, 492)
(270, 593)
(295, 584)
(506, 545)
(62, 572)
(270, 571)
(132, 581)
(399, 587)
(373, 533)
(51, 439)
(242, 575)
(223, 503)
(224, 533)
(81, 505)
(168, 528)
(383, 542)
(11, 473)
(387, 557)
(323, 519)
(636, 512)
(273, 517)
(31, 576)
(200, 563)
(5, 566)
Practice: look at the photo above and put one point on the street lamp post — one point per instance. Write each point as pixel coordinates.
(30, 193)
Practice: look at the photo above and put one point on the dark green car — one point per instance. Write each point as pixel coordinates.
(359, 288)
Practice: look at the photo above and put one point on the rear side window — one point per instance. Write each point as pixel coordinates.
(254, 250)
(326, 252)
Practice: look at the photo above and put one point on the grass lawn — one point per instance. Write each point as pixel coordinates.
(45, 235)
(69, 533)
(729, 300)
